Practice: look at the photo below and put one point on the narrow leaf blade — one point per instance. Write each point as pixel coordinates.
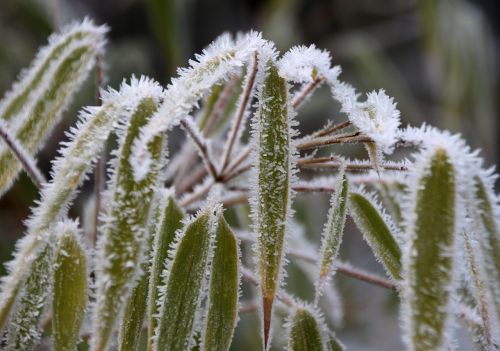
(376, 231)
(169, 223)
(70, 290)
(223, 291)
(272, 198)
(123, 243)
(305, 332)
(184, 288)
(429, 259)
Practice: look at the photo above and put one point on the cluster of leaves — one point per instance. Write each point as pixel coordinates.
(177, 274)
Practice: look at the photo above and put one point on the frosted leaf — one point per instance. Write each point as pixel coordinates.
(221, 60)
(185, 282)
(36, 102)
(429, 255)
(222, 302)
(123, 245)
(70, 287)
(169, 223)
(304, 63)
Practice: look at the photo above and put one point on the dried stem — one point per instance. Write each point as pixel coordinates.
(202, 146)
(196, 176)
(327, 130)
(99, 172)
(238, 160)
(27, 161)
(220, 105)
(247, 92)
(351, 167)
(348, 138)
(197, 193)
(301, 96)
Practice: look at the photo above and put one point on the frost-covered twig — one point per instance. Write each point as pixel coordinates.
(305, 92)
(242, 109)
(350, 138)
(29, 164)
(202, 145)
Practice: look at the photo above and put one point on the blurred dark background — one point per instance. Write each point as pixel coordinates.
(439, 59)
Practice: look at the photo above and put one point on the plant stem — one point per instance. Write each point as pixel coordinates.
(202, 146)
(220, 105)
(301, 96)
(247, 92)
(28, 162)
(349, 138)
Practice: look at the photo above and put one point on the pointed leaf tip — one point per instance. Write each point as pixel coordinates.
(223, 291)
(429, 257)
(377, 232)
(271, 198)
(70, 291)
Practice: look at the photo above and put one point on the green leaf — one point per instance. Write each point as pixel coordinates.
(333, 344)
(184, 285)
(429, 260)
(376, 230)
(69, 170)
(23, 330)
(223, 291)
(170, 221)
(39, 98)
(305, 332)
(272, 199)
(489, 237)
(333, 231)
(70, 290)
(124, 241)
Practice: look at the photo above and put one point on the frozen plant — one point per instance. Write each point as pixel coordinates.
(163, 260)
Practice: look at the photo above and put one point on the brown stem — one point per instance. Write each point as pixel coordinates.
(202, 147)
(299, 99)
(220, 105)
(196, 176)
(350, 138)
(99, 172)
(247, 92)
(350, 167)
(27, 161)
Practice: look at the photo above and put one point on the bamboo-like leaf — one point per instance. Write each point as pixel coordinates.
(170, 221)
(69, 170)
(70, 288)
(333, 344)
(123, 242)
(480, 293)
(272, 198)
(487, 219)
(429, 259)
(185, 284)
(333, 231)
(37, 100)
(377, 230)
(23, 331)
(305, 332)
(223, 291)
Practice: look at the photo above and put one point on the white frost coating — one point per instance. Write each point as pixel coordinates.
(313, 311)
(302, 64)
(377, 117)
(77, 156)
(217, 63)
(79, 35)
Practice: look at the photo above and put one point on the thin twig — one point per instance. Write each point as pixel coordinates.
(350, 138)
(301, 96)
(342, 267)
(327, 130)
(309, 160)
(352, 167)
(220, 105)
(242, 156)
(27, 161)
(236, 173)
(247, 92)
(99, 172)
(197, 193)
(196, 176)
(202, 147)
